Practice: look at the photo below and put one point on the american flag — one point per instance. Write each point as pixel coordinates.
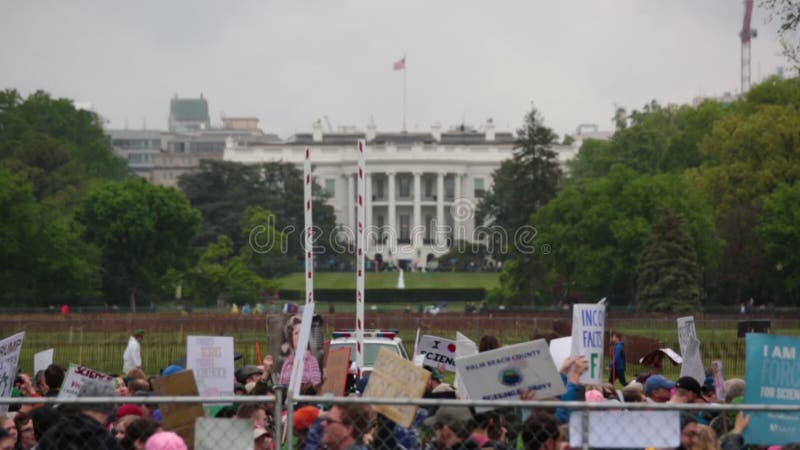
(401, 64)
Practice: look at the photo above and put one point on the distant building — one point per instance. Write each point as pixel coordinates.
(422, 187)
(138, 147)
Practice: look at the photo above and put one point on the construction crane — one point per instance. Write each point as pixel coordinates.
(746, 34)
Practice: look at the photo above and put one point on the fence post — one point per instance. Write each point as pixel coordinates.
(290, 419)
(585, 428)
(278, 413)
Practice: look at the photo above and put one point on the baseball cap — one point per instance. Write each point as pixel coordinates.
(457, 418)
(129, 409)
(243, 373)
(173, 369)
(657, 382)
(435, 374)
(139, 332)
(304, 417)
(690, 384)
(258, 432)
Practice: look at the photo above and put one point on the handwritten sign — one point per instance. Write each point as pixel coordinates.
(502, 373)
(76, 376)
(690, 349)
(588, 334)
(771, 375)
(10, 349)
(211, 360)
(179, 417)
(337, 364)
(395, 377)
(436, 351)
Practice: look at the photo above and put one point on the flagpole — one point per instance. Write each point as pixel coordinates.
(404, 93)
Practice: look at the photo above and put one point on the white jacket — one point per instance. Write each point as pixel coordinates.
(132, 358)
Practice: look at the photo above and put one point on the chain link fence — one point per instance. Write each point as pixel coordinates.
(305, 422)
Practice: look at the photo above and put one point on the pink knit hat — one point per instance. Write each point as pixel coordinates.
(165, 440)
(592, 396)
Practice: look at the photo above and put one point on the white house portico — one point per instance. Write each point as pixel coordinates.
(421, 188)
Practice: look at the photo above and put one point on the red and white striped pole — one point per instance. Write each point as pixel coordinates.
(309, 223)
(360, 249)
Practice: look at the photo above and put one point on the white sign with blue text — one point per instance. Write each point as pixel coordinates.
(772, 377)
(588, 328)
(436, 351)
(502, 373)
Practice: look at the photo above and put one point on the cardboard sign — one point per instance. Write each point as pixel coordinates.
(76, 376)
(211, 360)
(42, 360)
(302, 343)
(719, 380)
(232, 434)
(501, 373)
(771, 377)
(395, 377)
(336, 366)
(560, 349)
(690, 350)
(10, 348)
(437, 351)
(588, 338)
(179, 417)
(630, 429)
(464, 347)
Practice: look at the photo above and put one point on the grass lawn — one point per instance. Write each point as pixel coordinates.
(388, 280)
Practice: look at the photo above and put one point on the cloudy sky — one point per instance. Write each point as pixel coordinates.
(292, 62)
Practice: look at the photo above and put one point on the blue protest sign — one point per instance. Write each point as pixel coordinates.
(772, 377)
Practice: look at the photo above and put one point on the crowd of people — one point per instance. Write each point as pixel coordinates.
(139, 425)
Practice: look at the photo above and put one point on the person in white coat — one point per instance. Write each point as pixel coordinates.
(132, 358)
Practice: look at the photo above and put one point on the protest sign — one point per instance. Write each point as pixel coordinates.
(588, 338)
(437, 351)
(10, 349)
(76, 376)
(501, 373)
(771, 377)
(690, 350)
(560, 349)
(42, 359)
(179, 417)
(395, 377)
(232, 434)
(211, 360)
(631, 429)
(337, 364)
(464, 347)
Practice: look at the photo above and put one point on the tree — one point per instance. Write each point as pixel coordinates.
(781, 235)
(596, 231)
(668, 274)
(223, 191)
(142, 230)
(524, 183)
(787, 13)
(42, 258)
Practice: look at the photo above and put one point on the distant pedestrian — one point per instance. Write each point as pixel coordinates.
(132, 358)
(65, 310)
(617, 364)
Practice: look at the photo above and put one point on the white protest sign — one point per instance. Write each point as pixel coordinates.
(302, 346)
(211, 360)
(588, 328)
(631, 429)
(464, 347)
(501, 373)
(560, 349)
(238, 434)
(690, 350)
(42, 360)
(437, 351)
(76, 376)
(395, 377)
(10, 348)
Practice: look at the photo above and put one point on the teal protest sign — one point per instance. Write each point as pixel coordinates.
(772, 377)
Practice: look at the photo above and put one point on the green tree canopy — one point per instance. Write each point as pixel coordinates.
(597, 231)
(668, 274)
(780, 231)
(142, 230)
